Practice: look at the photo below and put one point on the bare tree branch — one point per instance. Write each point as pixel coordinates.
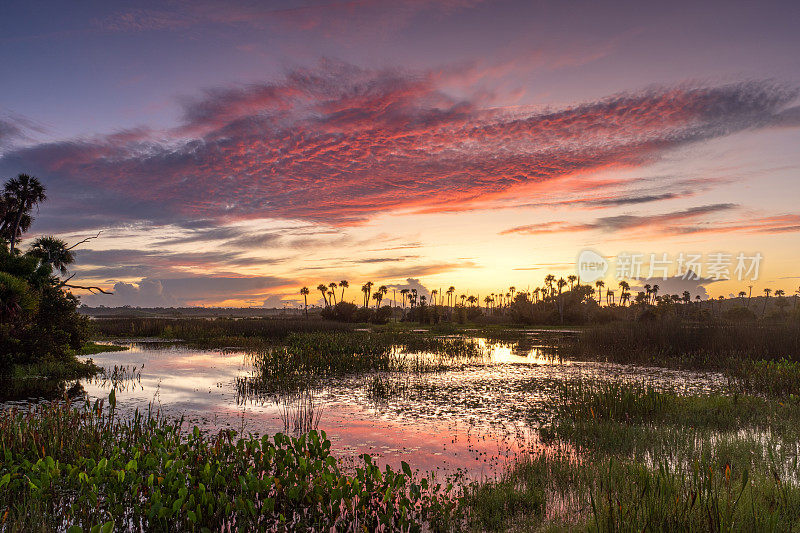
(84, 240)
(92, 289)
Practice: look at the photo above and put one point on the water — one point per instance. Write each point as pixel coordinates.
(472, 419)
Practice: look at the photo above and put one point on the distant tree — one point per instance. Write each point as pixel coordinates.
(323, 289)
(305, 292)
(403, 293)
(571, 278)
(599, 284)
(332, 292)
(343, 284)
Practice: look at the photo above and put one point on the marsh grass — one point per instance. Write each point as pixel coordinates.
(677, 343)
(301, 410)
(776, 378)
(91, 348)
(311, 355)
(212, 333)
(649, 459)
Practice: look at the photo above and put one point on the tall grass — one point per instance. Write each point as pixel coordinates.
(216, 332)
(645, 459)
(678, 343)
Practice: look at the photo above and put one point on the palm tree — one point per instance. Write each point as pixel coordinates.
(54, 252)
(322, 288)
(21, 195)
(561, 284)
(625, 295)
(343, 284)
(766, 298)
(368, 285)
(571, 278)
(384, 290)
(549, 280)
(487, 300)
(305, 292)
(434, 292)
(464, 296)
(781, 303)
(599, 284)
(332, 292)
(472, 300)
(654, 291)
(450, 291)
(403, 293)
(378, 296)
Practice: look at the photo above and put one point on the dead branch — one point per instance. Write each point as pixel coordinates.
(84, 240)
(90, 288)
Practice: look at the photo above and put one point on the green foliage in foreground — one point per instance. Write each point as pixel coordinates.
(64, 467)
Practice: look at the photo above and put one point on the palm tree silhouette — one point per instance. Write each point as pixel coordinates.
(324, 290)
(766, 298)
(549, 280)
(599, 284)
(21, 195)
(332, 292)
(343, 284)
(625, 295)
(54, 252)
(304, 291)
(654, 291)
(378, 296)
(571, 278)
(403, 293)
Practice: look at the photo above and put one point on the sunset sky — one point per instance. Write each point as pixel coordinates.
(232, 152)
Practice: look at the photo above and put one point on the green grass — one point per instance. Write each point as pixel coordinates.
(634, 458)
(91, 348)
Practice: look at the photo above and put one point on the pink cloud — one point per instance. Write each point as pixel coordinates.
(339, 144)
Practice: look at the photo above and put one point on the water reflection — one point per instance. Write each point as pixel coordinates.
(474, 416)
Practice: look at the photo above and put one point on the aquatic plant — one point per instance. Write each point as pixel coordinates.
(70, 468)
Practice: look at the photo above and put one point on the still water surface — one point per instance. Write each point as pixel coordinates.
(472, 418)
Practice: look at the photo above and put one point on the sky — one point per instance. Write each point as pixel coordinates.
(229, 153)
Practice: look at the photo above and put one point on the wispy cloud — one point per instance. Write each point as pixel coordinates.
(340, 144)
(685, 221)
